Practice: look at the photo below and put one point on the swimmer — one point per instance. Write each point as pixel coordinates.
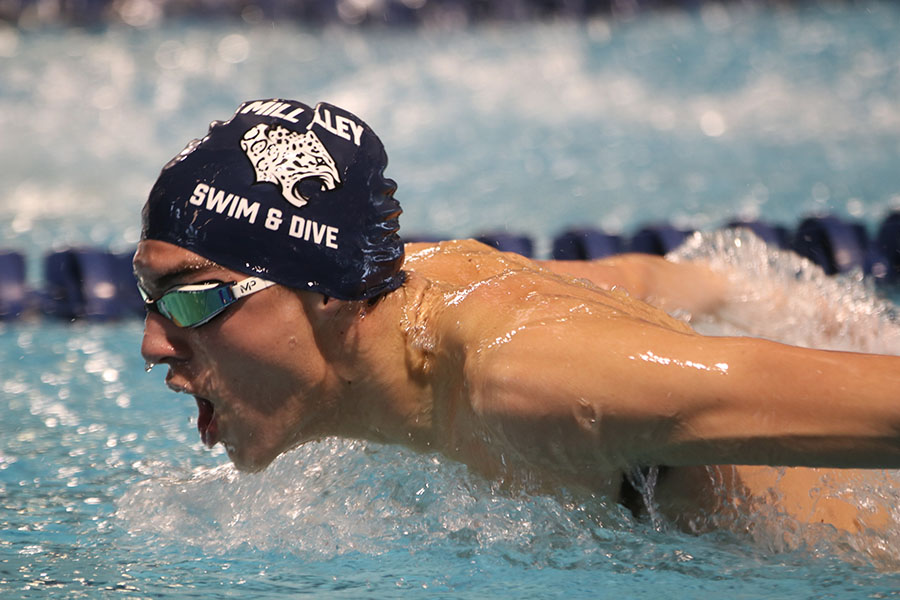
(280, 296)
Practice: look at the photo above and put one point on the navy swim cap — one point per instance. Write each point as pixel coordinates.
(290, 193)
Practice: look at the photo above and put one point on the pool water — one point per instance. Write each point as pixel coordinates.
(691, 118)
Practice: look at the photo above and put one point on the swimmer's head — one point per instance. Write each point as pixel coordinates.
(293, 194)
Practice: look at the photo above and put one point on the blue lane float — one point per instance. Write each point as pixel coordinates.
(833, 244)
(13, 292)
(87, 283)
(98, 285)
(885, 255)
(657, 239)
(508, 242)
(586, 244)
(773, 235)
(395, 13)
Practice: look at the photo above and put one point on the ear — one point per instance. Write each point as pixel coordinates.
(335, 325)
(327, 306)
(324, 311)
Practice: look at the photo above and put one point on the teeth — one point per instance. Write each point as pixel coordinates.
(178, 389)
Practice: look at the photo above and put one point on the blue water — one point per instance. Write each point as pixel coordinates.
(694, 118)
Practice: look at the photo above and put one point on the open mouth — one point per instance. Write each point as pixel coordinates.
(206, 422)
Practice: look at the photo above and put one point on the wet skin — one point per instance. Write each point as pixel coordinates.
(255, 372)
(519, 372)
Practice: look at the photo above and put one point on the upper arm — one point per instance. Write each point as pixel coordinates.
(616, 393)
(587, 393)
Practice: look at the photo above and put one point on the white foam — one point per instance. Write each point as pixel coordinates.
(333, 497)
(782, 296)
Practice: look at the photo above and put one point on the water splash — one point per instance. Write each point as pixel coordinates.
(782, 296)
(337, 497)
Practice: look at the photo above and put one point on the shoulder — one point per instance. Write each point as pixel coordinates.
(474, 278)
(460, 261)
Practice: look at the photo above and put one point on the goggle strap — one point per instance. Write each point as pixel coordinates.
(249, 286)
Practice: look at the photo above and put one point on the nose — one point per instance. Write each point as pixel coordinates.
(163, 341)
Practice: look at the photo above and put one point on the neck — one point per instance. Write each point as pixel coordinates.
(386, 395)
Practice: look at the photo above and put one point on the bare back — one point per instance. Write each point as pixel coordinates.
(475, 308)
(549, 377)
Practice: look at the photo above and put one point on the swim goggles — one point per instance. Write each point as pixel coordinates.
(194, 304)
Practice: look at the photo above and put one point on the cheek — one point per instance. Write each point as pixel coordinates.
(257, 339)
(254, 380)
(263, 363)
(262, 369)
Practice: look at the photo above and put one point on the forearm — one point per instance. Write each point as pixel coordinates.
(787, 406)
(689, 287)
(624, 397)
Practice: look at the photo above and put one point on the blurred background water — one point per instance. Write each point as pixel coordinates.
(693, 117)
(605, 116)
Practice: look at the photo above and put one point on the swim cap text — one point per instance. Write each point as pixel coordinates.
(339, 125)
(304, 228)
(273, 108)
(237, 207)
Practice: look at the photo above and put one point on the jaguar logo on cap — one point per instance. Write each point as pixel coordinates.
(286, 158)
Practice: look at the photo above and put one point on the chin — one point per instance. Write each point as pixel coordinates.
(248, 464)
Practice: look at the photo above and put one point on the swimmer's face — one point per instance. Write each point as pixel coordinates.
(260, 382)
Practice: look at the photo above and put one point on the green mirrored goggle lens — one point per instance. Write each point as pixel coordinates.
(195, 304)
(189, 309)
